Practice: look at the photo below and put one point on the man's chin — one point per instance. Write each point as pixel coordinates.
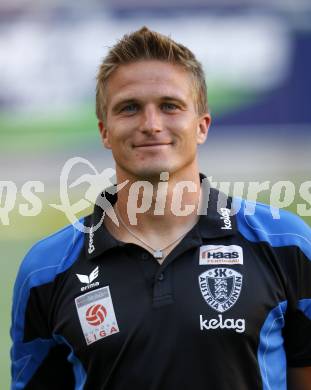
(150, 173)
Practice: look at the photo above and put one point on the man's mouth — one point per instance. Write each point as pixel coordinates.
(152, 145)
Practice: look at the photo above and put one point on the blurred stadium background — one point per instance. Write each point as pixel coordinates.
(257, 57)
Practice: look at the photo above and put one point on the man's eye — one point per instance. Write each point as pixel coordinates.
(130, 108)
(169, 106)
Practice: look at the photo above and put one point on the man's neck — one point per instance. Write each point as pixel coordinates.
(158, 211)
(156, 203)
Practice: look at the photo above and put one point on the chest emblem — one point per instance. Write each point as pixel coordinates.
(96, 315)
(220, 287)
(89, 279)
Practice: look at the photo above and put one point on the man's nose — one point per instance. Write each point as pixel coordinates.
(151, 120)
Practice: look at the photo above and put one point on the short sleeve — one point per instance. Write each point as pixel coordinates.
(35, 354)
(297, 331)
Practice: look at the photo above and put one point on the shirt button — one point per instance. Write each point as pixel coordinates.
(144, 256)
(161, 277)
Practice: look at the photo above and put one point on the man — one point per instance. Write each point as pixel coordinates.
(181, 293)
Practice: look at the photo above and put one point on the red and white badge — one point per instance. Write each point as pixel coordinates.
(96, 315)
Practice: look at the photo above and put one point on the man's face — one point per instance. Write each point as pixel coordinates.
(152, 124)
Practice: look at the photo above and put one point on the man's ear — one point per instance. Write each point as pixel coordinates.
(203, 126)
(104, 134)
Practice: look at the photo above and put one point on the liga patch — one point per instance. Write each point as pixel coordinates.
(221, 255)
(96, 315)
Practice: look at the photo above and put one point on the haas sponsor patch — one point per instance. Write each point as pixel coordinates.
(220, 287)
(96, 315)
(221, 255)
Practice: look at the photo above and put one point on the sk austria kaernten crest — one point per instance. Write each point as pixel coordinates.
(220, 287)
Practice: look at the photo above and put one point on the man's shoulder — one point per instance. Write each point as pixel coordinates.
(261, 222)
(51, 255)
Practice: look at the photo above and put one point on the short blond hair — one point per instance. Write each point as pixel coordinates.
(145, 44)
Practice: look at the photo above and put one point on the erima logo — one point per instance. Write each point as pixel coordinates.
(88, 279)
(225, 216)
(91, 248)
(220, 254)
(229, 323)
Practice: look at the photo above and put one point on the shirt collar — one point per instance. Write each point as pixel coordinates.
(216, 220)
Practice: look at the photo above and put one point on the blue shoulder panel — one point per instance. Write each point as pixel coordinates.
(45, 260)
(259, 222)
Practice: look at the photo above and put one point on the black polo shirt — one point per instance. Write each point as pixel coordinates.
(229, 308)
